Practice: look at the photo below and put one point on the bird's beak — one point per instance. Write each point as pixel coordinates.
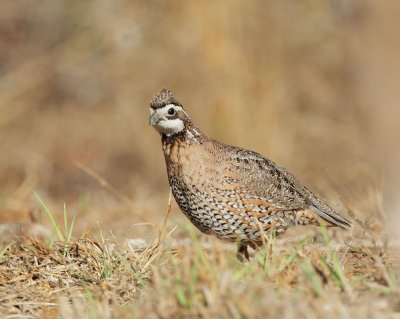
(153, 120)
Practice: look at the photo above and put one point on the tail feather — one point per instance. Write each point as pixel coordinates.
(328, 214)
(325, 211)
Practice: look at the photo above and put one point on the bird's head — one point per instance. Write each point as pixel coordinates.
(167, 115)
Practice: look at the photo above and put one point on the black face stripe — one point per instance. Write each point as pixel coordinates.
(172, 117)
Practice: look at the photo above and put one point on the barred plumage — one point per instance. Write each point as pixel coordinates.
(227, 191)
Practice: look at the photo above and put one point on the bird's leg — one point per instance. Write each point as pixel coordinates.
(242, 251)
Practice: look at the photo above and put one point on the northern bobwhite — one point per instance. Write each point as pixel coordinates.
(227, 191)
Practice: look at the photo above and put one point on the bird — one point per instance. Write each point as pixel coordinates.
(232, 193)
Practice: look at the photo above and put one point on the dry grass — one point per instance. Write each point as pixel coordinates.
(38, 278)
(311, 84)
(313, 274)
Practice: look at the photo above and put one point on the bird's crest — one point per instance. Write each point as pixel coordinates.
(163, 98)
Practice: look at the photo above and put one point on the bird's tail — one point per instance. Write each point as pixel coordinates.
(328, 214)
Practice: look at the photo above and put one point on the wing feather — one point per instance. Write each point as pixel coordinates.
(264, 178)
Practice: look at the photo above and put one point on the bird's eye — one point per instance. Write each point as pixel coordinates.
(171, 111)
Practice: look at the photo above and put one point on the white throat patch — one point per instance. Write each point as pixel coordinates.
(166, 125)
(170, 127)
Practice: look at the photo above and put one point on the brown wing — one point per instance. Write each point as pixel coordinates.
(263, 178)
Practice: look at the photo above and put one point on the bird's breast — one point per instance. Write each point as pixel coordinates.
(189, 162)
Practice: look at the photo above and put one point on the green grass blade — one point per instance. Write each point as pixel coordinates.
(337, 276)
(3, 251)
(71, 227)
(139, 280)
(65, 220)
(312, 277)
(325, 235)
(287, 261)
(338, 269)
(51, 217)
(180, 295)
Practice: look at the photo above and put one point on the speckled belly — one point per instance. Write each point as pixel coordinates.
(197, 210)
(209, 215)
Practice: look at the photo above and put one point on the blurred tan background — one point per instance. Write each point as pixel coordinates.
(313, 85)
